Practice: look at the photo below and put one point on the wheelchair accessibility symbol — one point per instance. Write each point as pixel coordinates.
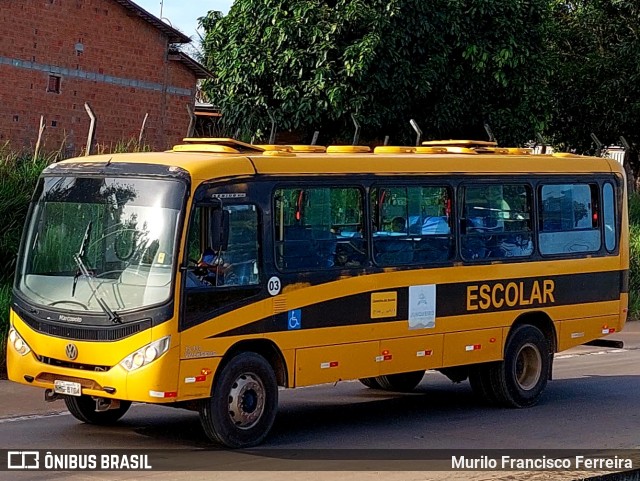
(294, 319)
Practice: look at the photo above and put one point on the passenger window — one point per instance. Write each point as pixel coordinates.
(496, 222)
(235, 266)
(411, 225)
(569, 218)
(319, 228)
(609, 211)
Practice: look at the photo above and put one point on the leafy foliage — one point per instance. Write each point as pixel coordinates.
(450, 64)
(595, 46)
(634, 256)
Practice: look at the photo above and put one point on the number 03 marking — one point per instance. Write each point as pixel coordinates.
(274, 286)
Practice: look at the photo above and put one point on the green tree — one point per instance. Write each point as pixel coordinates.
(450, 64)
(595, 47)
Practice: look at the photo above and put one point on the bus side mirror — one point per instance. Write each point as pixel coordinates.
(219, 230)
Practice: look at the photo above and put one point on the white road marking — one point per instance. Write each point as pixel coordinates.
(596, 353)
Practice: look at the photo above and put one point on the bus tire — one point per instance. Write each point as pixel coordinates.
(243, 404)
(481, 384)
(370, 382)
(403, 382)
(83, 408)
(519, 380)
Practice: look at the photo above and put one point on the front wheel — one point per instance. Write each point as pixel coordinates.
(83, 408)
(519, 380)
(243, 404)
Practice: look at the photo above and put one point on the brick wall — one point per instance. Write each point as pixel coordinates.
(103, 55)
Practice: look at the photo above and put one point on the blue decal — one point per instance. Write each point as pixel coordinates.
(294, 319)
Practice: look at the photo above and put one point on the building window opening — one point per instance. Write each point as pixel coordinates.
(54, 84)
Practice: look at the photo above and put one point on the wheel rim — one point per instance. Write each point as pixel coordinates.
(528, 367)
(246, 400)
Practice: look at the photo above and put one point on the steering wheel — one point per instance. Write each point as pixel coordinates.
(70, 302)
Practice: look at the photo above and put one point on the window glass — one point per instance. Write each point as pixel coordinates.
(569, 219)
(94, 242)
(235, 266)
(319, 228)
(496, 221)
(608, 208)
(411, 225)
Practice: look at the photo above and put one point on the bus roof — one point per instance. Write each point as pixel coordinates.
(203, 165)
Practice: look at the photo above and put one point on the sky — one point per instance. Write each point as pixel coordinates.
(183, 14)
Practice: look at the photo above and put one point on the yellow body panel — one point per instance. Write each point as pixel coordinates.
(471, 347)
(319, 365)
(411, 354)
(574, 332)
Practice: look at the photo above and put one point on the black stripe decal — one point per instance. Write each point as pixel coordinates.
(453, 300)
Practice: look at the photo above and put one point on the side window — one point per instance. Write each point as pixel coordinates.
(609, 218)
(569, 218)
(319, 228)
(496, 221)
(411, 225)
(235, 266)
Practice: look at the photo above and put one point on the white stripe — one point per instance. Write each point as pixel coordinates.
(29, 417)
(32, 416)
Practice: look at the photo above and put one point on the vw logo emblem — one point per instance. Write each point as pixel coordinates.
(72, 351)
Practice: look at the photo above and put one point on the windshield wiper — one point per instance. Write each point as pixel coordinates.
(80, 255)
(82, 269)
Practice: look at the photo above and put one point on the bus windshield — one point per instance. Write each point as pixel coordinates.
(100, 244)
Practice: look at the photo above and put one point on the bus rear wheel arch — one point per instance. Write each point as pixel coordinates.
(243, 402)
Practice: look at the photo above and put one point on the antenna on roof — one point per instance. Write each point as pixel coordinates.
(314, 140)
(624, 143)
(356, 135)
(238, 132)
(415, 126)
(272, 136)
(386, 140)
(543, 149)
(598, 144)
(489, 132)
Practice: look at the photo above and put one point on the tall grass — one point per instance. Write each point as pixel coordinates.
(634, 257)
(122, 146)
(5, 300)
(18, 176)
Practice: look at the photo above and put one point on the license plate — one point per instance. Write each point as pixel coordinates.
(67, 387)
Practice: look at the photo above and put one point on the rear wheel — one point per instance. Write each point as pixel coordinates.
(403, 382)
(83, 408)
(370, 382)
(519, 380)
(243, 404)
(481, 384)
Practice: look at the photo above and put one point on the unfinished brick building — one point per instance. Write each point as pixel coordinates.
(55, 55)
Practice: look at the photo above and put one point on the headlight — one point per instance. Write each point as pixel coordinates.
(146, 354)
(18, 343)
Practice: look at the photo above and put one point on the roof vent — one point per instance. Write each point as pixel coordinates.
(348, 149)
(241, 147)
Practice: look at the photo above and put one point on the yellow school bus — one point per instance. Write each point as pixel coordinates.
(208, 276)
